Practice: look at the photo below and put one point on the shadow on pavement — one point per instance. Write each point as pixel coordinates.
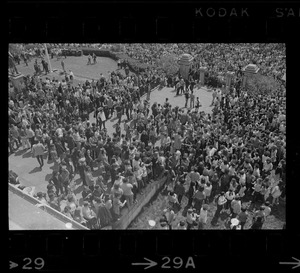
(27, 155)
(20, 152)
(96, 173)
(48, 176)
(113, 119)
(35, 170)
(279, 211)
(78, 190)
(49, 161)
(78, 181)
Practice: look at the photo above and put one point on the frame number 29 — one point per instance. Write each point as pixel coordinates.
(37, 263)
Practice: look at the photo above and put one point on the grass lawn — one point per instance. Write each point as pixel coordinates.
(78, 65)
(80, 68)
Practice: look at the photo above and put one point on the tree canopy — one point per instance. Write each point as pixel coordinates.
(168, 64)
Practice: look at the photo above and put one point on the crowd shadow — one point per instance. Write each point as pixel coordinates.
(78, 181)
(49, 161)
(113, 119)
(80, 201)
(96, 173)
(20, 152)
(78, 190)
(27, 155)
(48, 176)
(35, 170)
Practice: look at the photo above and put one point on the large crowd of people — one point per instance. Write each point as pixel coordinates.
(234, 155)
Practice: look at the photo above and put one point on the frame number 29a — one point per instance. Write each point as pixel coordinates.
(37, 263)
(177, 263)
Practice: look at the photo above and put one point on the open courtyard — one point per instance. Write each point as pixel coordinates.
(25, 165)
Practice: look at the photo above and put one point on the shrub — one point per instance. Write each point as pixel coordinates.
(134, 65)
(168, 64)
(213, 81)
(15, 49)
(98, 52)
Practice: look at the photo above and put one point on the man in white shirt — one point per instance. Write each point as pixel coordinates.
(71, 75)
(59, 131)
(30, 135)
(88, 214)
(38, 150)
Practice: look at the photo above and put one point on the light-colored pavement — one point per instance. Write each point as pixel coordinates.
(26, 166)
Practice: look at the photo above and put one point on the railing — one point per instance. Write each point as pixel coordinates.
(46, 208)
(144, 199)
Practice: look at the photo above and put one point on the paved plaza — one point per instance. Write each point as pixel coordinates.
(27, 167)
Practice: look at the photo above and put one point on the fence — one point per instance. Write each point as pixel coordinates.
(149, 192)
(46, 208)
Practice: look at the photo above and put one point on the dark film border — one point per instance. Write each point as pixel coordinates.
(88, 22)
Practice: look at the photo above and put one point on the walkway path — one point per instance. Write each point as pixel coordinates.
(26, 166)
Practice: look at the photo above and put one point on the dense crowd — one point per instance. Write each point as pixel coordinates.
(231, 156)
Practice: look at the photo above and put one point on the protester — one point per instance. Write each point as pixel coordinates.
(38, 152)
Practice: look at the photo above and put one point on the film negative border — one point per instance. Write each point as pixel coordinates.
(139, 250)
(187, 251)
(148, 22)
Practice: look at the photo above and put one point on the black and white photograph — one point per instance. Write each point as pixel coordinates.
(147, 136)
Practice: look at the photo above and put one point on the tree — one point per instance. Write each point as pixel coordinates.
(259, 84)
(14, 49)
(168, 64)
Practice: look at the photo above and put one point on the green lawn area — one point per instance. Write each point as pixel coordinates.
(80, 68)
(78, 65)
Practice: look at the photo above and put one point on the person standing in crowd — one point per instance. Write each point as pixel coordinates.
(94, 58)
(186, 95)
(63, 65)
(88, 214)
(258, 219)
(192, 100)
(243, 217)
(30, 135)
(89, 59)
(127, 192)
(56, 182)
(71, 74)
(64, 178)
(221, 201)
(38, 150)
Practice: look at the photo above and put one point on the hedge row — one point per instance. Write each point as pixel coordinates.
(213, 81)
(72, 52)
